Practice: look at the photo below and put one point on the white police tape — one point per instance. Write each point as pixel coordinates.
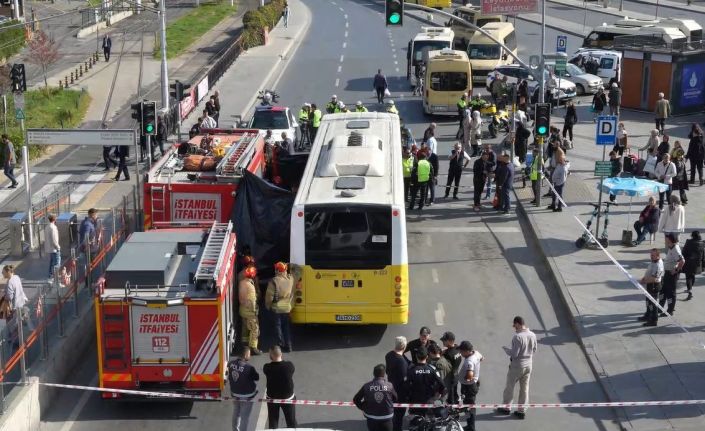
(351, 404)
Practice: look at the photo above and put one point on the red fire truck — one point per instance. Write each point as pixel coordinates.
(173, 194)
(164, 311)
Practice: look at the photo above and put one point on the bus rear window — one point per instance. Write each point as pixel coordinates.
(354, 237)
(449, 81)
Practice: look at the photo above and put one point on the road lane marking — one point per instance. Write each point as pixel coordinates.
(440, 314)
(434, 275)
(345, 44)
(397, 69)
(85, 187)
(78, 407)
(396, 62)
(340, 68)
(466, 229)
(342, 57)
(346, 33)
(49, 187)
(346, 24)
(341, 9)
(345, 16)
(6, 192)
(337, 81)
(394, 56)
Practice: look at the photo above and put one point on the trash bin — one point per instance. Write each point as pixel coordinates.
(19, 234)
(67, 223)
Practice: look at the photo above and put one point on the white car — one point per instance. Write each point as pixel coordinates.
(278, 119)
(585, 83)
(516, 73)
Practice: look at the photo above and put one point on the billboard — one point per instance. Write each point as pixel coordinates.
(188, 104)
(692, 85)
(509, 7)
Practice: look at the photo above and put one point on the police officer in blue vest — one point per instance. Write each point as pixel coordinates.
(376, 400)
(243, 387)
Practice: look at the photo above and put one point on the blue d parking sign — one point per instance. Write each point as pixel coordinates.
(561, 43)
(606, 132)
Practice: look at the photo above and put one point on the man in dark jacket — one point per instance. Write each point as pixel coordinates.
(479, 178)
(694, 254)
(107, 46)
(414, 346)
(380, 84)
(423, 383)
(458, 160)
(397, 366)
(452, 354)
(280, 385)
(376, 400)
(647, 222)
(504, 178)
(122, 152)
(615, 98)
(696, 155)
(242, 378)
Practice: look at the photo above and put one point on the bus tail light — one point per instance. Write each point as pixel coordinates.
(397, 300)
(397, 279)
(397, 293)
(298, 285)
(299, 300)
(299, 293)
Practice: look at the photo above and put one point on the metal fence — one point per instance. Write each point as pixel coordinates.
(28, 336)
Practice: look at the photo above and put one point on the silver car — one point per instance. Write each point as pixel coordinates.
(585, 83)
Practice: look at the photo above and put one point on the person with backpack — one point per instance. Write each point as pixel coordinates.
(696, 152)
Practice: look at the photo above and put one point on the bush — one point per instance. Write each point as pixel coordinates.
(11, 40)
(255, 21)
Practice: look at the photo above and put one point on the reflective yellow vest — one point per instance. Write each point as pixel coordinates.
(462, 104)
(303, 115)
(393, 110)
(407, 166)
(316, 122)
(423, 171)
(360, 109)
(534, 173)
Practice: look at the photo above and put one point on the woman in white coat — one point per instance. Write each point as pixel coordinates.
(475, 132)
(673, 217)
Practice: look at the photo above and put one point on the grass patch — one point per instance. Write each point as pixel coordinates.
(11, 40)
(181, 33)
(49, 108)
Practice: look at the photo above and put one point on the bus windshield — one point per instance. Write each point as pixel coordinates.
(484, 52)
(449, 81)
(422, 46)
(357, 237)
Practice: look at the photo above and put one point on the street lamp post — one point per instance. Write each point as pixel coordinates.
(165, 70)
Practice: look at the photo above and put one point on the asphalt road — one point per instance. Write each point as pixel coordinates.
(470, 273)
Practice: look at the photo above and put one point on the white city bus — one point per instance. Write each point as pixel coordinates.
(429, 39)
(348, 227)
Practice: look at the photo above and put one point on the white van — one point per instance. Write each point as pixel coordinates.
(472, 14)
(484, 53)
(609, 62)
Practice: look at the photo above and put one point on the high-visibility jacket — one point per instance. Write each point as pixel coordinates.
(332, 107)
(534, 172)
(393, 110)
(360, 109)
(462, 104)
(316, 121)
(407, 166)
(303, 115)
(423, 171)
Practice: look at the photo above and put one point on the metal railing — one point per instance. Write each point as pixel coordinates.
(24, 341)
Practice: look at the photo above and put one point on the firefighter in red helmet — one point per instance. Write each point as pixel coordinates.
(280, 292)
(247, 295)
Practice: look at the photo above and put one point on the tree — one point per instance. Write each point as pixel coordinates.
(43, 52)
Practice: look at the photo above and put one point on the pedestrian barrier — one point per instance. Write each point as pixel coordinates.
(327, 403)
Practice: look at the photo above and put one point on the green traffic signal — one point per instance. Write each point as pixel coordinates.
(149, 128)
(394, 18)
(542, 130)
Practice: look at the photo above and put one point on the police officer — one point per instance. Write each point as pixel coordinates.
(304, 123)
(421, 174)
(376, 400)
(469, 377)
(424, 340)
(243, 388)
(359, 107)
(424, 384)
(332, 105)
(407, 164)
(391, 107)
(278, 300)
(247, 295)
(462, 105)
(452, 354)
(341, 107)
(316, 115)
(535, 174)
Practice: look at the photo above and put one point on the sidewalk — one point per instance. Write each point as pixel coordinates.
(633, 363)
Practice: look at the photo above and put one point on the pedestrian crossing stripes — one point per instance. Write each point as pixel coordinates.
(5, 193)
(85, 187)
(466, 229)
(49, 187)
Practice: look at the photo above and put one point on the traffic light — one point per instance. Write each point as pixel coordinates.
(178, 89)
(18, 78)
(543, 118)
(149, 118)
(136, 111)
(394, 12)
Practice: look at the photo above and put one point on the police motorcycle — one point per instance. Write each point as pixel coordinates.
(268, 97)
(441, 418)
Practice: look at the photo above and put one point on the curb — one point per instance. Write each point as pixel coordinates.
(277, 69)
(574, 316)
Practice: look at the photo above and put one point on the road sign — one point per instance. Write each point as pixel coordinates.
(603, 168)
(19, 114)
(18, 99)
(560, 65)
(509, 7)
(80, 137)
(561, 43)
(606, 130)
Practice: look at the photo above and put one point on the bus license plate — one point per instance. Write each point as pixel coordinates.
(348, 317)
(348, 283)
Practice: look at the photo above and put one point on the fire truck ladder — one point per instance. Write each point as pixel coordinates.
(236, 158)
(158, 200)
(214, 251)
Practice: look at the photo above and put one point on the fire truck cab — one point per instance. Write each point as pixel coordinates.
(176, 191)
(164, 312)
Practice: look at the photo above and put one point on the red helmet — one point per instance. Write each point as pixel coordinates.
(250, 272)
(280, 267)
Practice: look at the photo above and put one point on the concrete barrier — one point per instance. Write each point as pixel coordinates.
(25, 405)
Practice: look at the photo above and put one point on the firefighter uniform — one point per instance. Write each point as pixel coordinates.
(247, 294)
(278, 300)
(376, 400)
